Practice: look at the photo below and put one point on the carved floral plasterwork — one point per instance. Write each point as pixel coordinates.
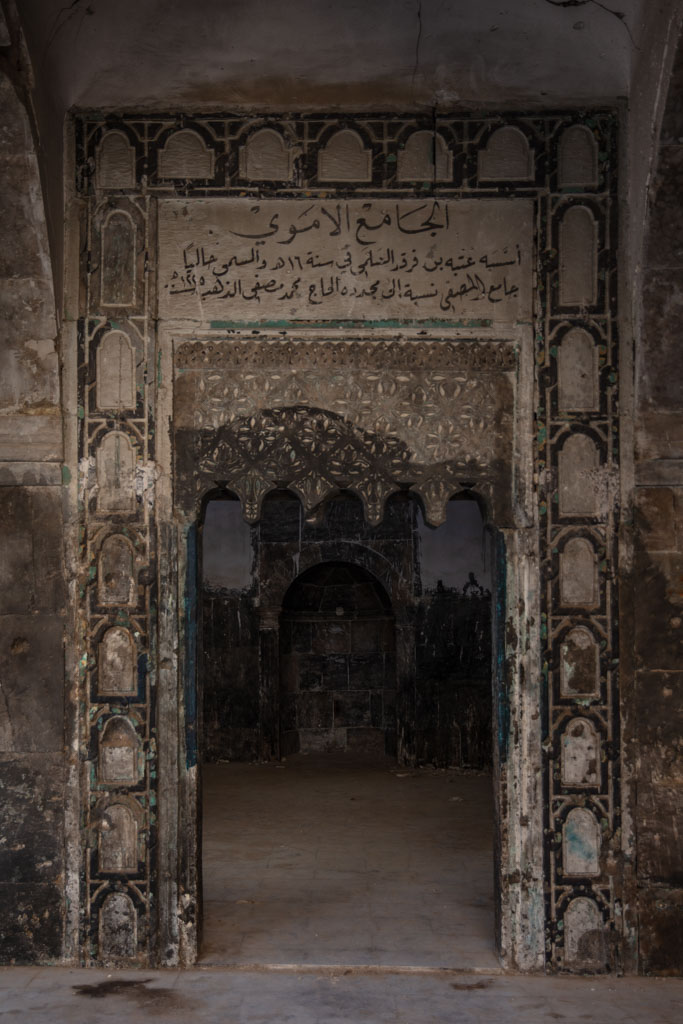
(259, 416)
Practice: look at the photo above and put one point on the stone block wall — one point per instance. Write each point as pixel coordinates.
(32, 598)
(654, 710)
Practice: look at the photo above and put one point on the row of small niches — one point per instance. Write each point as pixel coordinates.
(268, 156)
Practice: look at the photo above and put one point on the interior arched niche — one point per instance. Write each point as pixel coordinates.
(337, 662)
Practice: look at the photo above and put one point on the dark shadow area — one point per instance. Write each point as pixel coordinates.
(331, 634)
(346, 690)
(337, 663)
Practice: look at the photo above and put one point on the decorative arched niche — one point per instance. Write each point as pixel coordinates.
(345, 158)
(580, 754)
(578, 158)
(581, 844)
(579, 477)
(578, 574)
(424, 157)
(116, 582)
(506, 157)
(116, 670)
(119, 753)
(118, 928)
(265, 156)
(115, 387)
(577, 372)
(584, 935)
(186, 155)
(115, 161)
(578, 258)
(118, 259)
(579, 664)
(118, 837)
(115, 473)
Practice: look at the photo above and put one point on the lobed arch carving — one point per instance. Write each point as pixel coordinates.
(432, 419)
(316, 454)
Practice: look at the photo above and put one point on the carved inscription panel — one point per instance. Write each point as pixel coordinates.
(237, 260)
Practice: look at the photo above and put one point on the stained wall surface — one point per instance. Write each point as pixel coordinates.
(654, 710)
(32, 613)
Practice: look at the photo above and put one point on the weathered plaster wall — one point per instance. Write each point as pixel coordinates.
(654, 715)
(32, 770)
(30, 420)
(408, 55)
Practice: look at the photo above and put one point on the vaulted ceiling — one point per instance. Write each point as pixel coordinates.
(228, 53)
(303, 55)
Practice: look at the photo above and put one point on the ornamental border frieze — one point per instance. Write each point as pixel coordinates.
(435, 353)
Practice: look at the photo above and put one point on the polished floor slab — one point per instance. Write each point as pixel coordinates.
(340, 860)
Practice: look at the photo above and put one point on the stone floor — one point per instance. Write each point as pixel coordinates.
(364, 894)
(318, 996)
(333, 860)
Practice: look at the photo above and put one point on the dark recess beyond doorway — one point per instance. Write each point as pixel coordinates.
(337, 663)
(413, 676)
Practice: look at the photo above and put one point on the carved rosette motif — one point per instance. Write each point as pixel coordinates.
(386, 427)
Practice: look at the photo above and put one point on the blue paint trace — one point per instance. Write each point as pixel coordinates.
(190, 682)
(500, 688)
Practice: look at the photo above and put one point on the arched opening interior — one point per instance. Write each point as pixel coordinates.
(337, 663)
(345, 678)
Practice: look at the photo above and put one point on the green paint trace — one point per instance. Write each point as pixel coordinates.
(237, 325)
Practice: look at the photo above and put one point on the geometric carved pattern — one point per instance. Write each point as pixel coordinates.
(424, 418)
(315, 454)
(418, 354)
(577, 292)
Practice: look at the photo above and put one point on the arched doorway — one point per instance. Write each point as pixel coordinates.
(348, 805)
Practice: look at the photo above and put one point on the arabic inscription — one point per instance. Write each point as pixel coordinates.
(240, 260)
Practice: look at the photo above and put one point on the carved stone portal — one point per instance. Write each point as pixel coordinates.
(517, 240)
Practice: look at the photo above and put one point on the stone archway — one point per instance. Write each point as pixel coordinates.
(379, 706)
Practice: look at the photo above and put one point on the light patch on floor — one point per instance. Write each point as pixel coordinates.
(332, 860)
